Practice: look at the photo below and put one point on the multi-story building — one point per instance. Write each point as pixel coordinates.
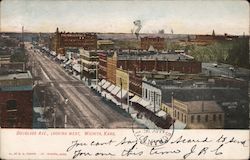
(16, 100)
(62, 40)
(135, 83)
(111, 68)
(102, 72)
(157, 43)
(89, 65)
(147, 62)
(153, 94)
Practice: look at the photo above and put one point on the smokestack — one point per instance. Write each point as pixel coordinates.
(137, 23)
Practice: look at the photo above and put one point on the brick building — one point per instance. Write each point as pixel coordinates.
(62, 40)
(102, 65)
(16, 100)
(111, 68)
(135, 84)
(159, 62)
(156, 42)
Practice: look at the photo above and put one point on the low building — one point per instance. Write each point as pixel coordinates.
(16, 100)
(197, 114)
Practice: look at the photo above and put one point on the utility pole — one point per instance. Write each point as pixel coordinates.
(128, 94)
(54, 122)
(121, 91)
(172, 100)
(65, 121)
(97, 78)
(154, 101)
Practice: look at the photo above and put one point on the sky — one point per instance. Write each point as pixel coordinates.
(183, 17)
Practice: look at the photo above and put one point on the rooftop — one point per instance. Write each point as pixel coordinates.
(153, 56)
(203, 106)
(25, 75)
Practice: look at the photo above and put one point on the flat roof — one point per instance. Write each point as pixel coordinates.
(26, 75)
(153, 56)
(203, 106)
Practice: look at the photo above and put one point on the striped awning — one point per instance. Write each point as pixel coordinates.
(111, 87)
(106, 84)
(135, 99)
(115, 90)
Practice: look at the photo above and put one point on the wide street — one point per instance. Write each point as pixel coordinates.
(82, 107)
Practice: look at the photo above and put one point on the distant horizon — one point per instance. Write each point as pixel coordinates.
(127, 33)
(180, 17)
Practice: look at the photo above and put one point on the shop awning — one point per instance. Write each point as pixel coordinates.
(122, 93)
(161, 113)
(108, 96)
(144, 103)
(178, 125)
(111, 87)
(130, 94)
(106, 84)
(102, 82)
(135, 99)
(115, 90)
(115, 101)
(77, 67)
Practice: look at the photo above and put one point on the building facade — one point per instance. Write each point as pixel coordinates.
(135, 83)
(122, 79)
(62, 40)
(152, 93)
(157, 43)
(16, 100)
(111, 68)
(89, 65)
(198, 114)
(189, 67)
(102, 72)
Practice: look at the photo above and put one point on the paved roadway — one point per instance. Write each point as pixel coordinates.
(85, 109)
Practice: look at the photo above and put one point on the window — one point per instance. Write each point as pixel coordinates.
(152, 96)
(146, 93)
(206, 118)
(192, 119)
(177, 115)
(220, 117)
(11, 105)
(185, 119)
(198, 118)
(214, 117)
